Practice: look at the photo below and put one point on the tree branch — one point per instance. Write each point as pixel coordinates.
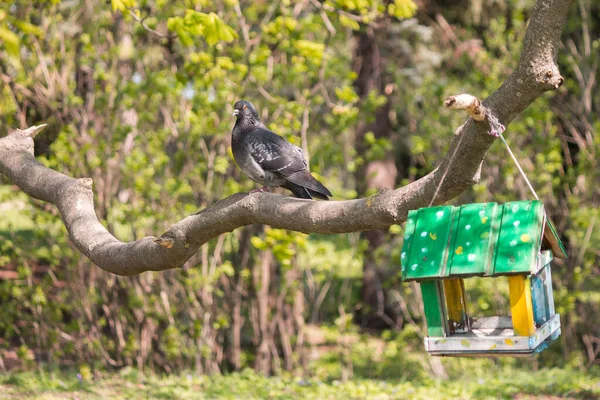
(536, 73)
(142, 22)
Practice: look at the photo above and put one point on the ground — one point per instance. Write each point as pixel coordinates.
(129, 383)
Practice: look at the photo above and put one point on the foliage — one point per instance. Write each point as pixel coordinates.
(195, 23)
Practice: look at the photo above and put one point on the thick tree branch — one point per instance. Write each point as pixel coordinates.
(536, 73)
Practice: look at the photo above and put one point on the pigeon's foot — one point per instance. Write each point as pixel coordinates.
(262, 189)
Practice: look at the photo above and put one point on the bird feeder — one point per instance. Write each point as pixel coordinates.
(515, 241)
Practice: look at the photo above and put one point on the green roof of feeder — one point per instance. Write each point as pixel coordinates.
(486, 239)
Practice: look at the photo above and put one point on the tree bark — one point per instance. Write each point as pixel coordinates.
(536, 73)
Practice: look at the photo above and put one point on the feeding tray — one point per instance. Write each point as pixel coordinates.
(445, 245)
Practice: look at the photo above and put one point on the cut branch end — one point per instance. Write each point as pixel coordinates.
(32, 131)
(466, 102)
(86, 182)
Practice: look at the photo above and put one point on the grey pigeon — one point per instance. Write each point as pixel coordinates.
(269, 159)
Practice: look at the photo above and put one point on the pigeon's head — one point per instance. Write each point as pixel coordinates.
(244, 111)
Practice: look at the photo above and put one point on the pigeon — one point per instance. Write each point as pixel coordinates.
(269, 159)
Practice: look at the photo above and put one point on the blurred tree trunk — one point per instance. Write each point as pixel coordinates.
(374, 175)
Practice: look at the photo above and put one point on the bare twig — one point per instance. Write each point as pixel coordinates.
(142, 22)
(586, 241)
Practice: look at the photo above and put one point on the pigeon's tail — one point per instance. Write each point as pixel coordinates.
(305, 186)
(318, 195)
(299, 191)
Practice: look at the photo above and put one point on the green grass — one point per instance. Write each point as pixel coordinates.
(130, 384)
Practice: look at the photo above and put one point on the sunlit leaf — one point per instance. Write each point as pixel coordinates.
(348, 22)
(311, 50)
(122, 5)
(200, 24)
(26, 27)
(402, 9)
(10, 40)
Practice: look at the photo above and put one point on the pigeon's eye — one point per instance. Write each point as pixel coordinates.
(245, 107)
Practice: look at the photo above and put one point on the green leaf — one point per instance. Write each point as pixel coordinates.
(311, 50)
(173, 23)
(350, 23)
(211, 33)
(11, 41)
(215, 30)
(227, 268)
(122, 5)
(26, 27)
(346, 94)
(258, 243)
(176, 25)
(200, 24)
(194, 22)
(221, 164)
(402, 9)
(226, 33)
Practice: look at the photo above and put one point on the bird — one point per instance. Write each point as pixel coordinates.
(269, 159)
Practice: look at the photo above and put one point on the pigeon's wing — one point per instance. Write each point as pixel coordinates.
(299, 150)
(273, 153)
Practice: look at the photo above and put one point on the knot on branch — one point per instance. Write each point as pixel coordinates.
(86, 182)
(165, 242)
(174, 239)
(551, 79)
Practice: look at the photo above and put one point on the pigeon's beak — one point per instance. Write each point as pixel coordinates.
(236, 112)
